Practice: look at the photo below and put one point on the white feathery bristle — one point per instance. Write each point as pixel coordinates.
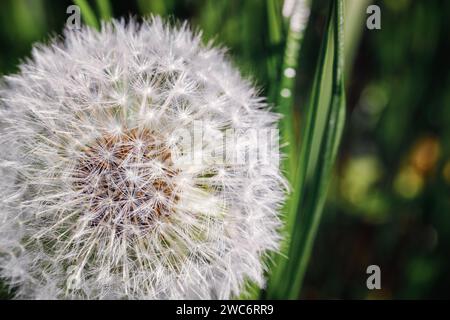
(107, 188)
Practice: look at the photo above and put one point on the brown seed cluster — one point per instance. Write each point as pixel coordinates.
(126, 179)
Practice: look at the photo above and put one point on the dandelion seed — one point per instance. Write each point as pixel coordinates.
(98, 196)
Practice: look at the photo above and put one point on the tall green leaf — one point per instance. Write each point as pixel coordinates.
(322, 128)
(284, 100)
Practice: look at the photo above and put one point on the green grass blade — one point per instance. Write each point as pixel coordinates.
(284, 100)
(355, 19)
(280, 280)
(87, 13)
(276, 35)
(315, 191)
(321, 129)
(285, 94)
(104, 7)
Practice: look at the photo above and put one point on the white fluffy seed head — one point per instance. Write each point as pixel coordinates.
(101, 197)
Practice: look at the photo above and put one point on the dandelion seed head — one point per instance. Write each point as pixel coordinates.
(103, 193)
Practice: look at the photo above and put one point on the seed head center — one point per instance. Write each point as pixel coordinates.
(126, 179)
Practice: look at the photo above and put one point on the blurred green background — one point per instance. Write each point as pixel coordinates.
(389, 202)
